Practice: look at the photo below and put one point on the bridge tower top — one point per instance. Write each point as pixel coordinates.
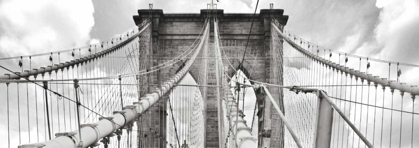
(219, 13)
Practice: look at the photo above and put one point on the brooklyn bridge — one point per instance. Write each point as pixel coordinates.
(207, 79)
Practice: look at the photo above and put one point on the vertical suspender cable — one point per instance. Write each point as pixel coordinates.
(8, 116)
(413, 120)
(391, 115)
(401, 119)
(47, 108)
(76, 87)
(237, 112)
(18, 112)
(69, 102)
(340, 96)
(368, 102)
(36, 108)
(27, 110)
(91, 86)
(344, 109)
(174, 123)
(382, 118)
(350, 107)
(120, 91)
(360, 113)
(375, 113)
(355, 99)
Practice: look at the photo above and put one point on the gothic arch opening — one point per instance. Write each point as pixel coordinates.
(247, 99)
(185, 114)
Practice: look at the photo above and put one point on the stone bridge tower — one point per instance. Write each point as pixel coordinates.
(173, 33)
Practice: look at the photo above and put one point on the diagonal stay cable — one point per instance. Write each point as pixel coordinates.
(76, 61)
(54, 92)
(355, 102)
(174, 122)
(181, 56)
(250, 32)
(384, 82)
(69, 50)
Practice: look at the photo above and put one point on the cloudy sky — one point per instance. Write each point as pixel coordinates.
(384, 29)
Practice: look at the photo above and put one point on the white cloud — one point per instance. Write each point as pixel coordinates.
(94, 41)
(30, 27)
(394, 38)
(46, 25)
(397, 29)
(247, 2)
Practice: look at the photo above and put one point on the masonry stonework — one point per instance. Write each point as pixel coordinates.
(172, 34)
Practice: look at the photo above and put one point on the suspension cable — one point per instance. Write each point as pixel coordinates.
(174, 122)
(53, 92)
(250, 32)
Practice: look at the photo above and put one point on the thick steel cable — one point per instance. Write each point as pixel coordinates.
(384, 82)
(280, 114)
(219, 58)
(56, 93)
(343, 116)
(51, 91)
(59, 118)
(393, 85)
(356, 56)
(347, 121)
(167, 86)
(142, 72)
(72, 63)
(290, 129)
(61, 51)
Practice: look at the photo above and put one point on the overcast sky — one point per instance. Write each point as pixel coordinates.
(384, 29)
